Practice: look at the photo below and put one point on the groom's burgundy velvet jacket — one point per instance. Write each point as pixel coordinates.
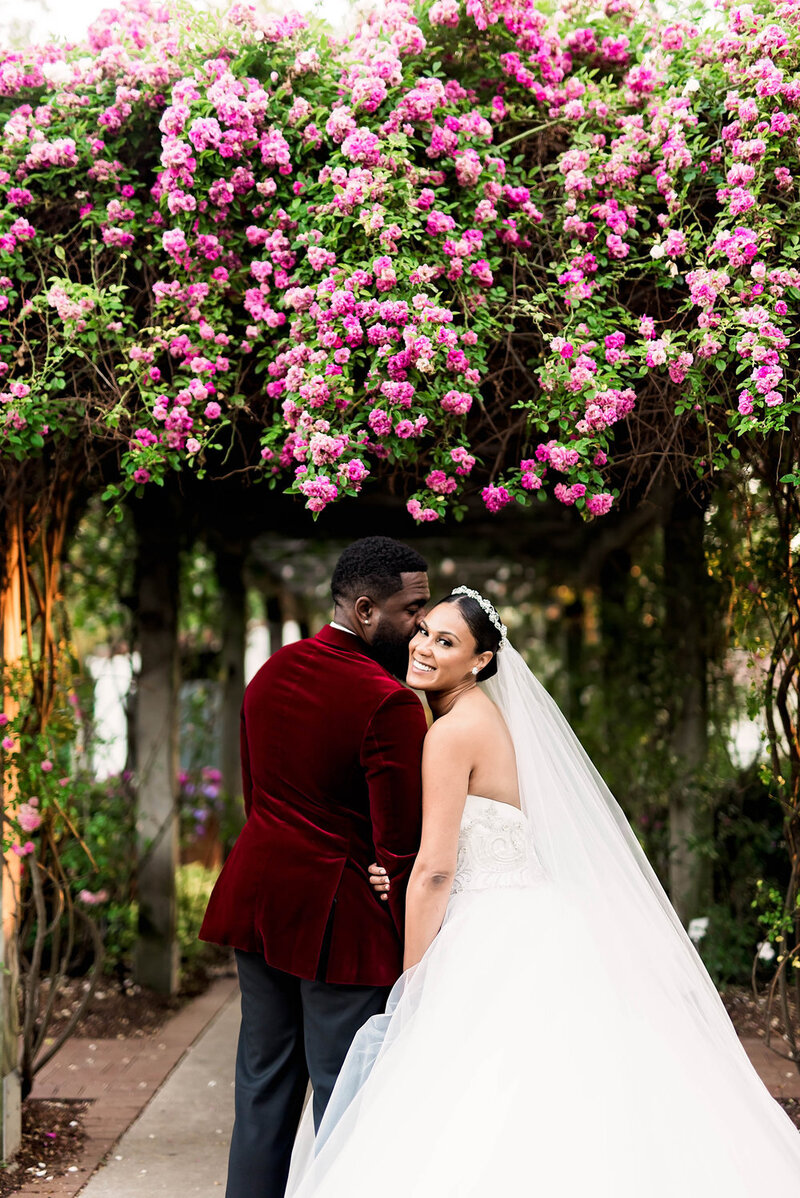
(331, 754)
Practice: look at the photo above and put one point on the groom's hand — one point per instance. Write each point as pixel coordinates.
(379, 881)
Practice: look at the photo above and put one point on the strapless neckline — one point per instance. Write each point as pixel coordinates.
(492, 803)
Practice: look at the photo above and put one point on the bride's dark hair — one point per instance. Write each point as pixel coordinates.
(484, 633)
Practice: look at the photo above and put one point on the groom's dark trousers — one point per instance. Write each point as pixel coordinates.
(331, 752)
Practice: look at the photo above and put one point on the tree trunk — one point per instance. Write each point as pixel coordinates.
(274, 622)
(615, 580)
(685, 637)
(574, 614)
(234, 621)
(11, 624)
(157, 589)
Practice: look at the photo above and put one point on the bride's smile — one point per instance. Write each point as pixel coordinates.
(442, 655)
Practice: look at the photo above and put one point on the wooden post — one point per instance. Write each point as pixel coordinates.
(274, 622)
(11, 623)
(230, 565)
(573, 656)
(157, 586)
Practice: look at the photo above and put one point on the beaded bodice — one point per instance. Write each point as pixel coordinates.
(494, 848)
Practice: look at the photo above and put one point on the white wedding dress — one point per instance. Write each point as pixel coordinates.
(535, 1051)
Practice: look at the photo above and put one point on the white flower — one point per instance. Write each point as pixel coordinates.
(657, 251)
(57, 72)
(698, 928)
(765, 951)
(691, 85)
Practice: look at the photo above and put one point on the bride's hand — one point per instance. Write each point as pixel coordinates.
(379, 880)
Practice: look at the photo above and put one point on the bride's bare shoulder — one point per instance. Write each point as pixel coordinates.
(472, 715)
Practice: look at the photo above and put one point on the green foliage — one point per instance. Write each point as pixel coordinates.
(777, 922)
(194, 885)
(106, 816)
(98, 578)
(728, 947)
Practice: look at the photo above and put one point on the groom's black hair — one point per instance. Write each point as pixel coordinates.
(372, 566)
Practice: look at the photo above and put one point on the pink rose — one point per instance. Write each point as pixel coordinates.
(28, 817)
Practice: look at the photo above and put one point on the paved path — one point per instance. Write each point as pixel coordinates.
(179, 1145)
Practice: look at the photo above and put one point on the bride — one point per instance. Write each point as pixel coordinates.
(554, 1032)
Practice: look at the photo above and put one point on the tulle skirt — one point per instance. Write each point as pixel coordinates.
(518, 1058)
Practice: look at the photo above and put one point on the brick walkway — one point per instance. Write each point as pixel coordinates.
(118, 1077)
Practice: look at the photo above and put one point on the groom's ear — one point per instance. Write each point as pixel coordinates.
(364, 609)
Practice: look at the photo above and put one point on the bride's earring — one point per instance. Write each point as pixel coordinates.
(476, 669)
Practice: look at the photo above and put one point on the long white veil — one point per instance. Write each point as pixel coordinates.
(588, 849)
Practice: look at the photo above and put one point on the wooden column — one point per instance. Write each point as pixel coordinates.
(230, 566)
(274, 622)
(156, 720)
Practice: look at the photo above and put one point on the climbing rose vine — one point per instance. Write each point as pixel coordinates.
(462, 245)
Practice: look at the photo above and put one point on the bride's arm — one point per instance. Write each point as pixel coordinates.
(446, 766)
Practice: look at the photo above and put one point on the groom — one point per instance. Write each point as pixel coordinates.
(331, 752)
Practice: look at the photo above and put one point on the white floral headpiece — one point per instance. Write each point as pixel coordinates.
(490, 610)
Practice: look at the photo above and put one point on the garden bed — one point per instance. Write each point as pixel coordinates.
(52, 1139)
(125, 1010)
(747, 1013)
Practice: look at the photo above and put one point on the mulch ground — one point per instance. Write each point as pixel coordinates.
(125, 1010)
(792, 1108)
(748, 1014)
(52, 1137)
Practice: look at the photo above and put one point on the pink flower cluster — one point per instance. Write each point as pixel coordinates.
(340, 245)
